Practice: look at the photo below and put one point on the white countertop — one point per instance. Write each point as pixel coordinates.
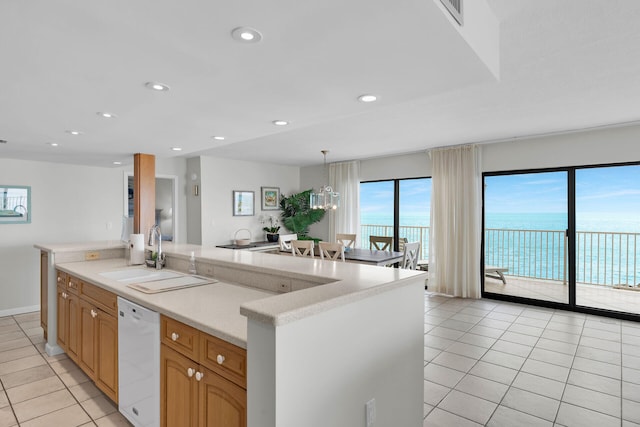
(220, 308)
(213, 308)
(80, 246)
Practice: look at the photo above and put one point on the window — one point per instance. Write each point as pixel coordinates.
(397, 208)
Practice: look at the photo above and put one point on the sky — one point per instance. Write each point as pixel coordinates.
(613, 190)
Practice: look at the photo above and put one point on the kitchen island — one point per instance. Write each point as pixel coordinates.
(323, 338)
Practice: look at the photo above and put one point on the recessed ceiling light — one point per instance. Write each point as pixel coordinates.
(219, 138)
(157, 86)
(367, 98)
(176, 148)
(117, 163)
(246, 35)
(74, 132)
(280, 122)
(53, 144)
(106, 115)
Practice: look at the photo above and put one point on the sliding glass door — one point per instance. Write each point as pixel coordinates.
(525, 235)
(608, 238)
(398, 208)
(569, 236)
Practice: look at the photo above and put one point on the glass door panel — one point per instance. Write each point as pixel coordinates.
(415, 211)
(376, 211)
(608, 238)
(525, 235)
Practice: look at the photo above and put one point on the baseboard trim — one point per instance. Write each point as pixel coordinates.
(19, 310)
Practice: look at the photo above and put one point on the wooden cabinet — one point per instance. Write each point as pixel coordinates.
(68, 318)
(88, 330)
(178, 389)
(203, 379)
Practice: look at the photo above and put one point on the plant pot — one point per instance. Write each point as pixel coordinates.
(272, 237)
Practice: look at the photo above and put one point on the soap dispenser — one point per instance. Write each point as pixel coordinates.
(192, 263)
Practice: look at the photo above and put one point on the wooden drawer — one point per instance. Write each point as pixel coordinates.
(103, 299)
(73, 285)
(224, 358)
(180, 337)
(62, 278)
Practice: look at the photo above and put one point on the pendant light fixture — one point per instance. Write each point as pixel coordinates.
(326, 198)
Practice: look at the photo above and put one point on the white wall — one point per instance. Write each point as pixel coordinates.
(69, 203)
(612, 145)
(219, 177)
(329, 365)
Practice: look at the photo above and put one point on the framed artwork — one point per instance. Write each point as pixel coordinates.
(15, 204)
(243, 203)
(270, 198)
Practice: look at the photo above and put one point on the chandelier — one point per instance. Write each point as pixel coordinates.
(325, 198)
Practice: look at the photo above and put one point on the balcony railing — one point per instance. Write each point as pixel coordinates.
(411, 233)
(602, 258)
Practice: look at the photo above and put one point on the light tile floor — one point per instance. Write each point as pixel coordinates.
(501, 364)
(39, 390)
(486, 363)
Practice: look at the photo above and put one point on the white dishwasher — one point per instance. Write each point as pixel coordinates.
(138, 364)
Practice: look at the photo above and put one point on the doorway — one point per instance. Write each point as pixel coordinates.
(166, 214)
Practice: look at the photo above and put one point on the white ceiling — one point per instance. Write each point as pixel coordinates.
(564, 65)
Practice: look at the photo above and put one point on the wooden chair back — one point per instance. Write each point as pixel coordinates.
(302, 248)
(348, 240)
(332, 251)
(284, 240)
(411, 255)
(381, 243)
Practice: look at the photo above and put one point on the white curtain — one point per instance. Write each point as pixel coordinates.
(345, 179)
(456, 227)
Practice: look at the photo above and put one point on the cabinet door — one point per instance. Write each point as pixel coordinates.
(178, 390)
(87, 352)
(73, 326)
(44, 291)
(107, 345)
(222, 403)
(62, 318)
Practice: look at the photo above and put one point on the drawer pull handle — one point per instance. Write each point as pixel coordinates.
(220, 359)
(59, 279)
(64, 295)
(93, 313)
(190, 372)
(199, 376)
(174, 336)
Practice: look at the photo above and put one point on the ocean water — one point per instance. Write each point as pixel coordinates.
(607, 245)
(610, 222)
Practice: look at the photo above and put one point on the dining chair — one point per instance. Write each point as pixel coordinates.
(348, 240)
(302, 248)
(332, 251)
(401, 242)
(285, 241)
(411, 255)
(381, 243)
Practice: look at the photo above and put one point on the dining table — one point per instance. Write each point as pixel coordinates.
(373, 256)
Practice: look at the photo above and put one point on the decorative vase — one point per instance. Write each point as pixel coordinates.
(272, 237)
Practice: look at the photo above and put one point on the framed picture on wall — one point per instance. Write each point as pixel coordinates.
(270, 198)
(243, 203)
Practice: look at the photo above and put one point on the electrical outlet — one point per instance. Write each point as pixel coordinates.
(370, 412)
(91, 256)
(284, 287)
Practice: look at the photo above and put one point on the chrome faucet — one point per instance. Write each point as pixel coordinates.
(155, 230)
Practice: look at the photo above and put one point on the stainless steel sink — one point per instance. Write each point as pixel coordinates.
(140, 275)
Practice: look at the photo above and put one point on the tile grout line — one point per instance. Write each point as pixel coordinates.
(66, 387)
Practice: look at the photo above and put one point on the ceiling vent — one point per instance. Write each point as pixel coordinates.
(455, 9)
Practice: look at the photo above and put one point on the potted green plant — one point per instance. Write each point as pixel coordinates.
(297, 214)
(272, 229)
